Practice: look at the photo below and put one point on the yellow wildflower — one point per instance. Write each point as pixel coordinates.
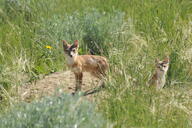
(48, 47)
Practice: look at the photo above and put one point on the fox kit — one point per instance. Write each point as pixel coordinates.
(96, 65)
(158, 79)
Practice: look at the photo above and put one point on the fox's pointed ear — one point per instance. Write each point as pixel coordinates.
(166, 59)
(76, 43)
(156, 60)
(65, 44)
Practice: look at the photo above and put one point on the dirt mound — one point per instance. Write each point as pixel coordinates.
(51, 84)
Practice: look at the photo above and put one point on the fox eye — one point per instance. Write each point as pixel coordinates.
(73, 50)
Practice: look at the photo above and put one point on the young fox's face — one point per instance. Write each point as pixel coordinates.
(71, 50)
(162, 65)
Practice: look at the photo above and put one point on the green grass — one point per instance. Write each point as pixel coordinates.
(141, 107)
(131, 33)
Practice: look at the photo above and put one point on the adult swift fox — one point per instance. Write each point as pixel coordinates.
(96, 65)
(158, 79)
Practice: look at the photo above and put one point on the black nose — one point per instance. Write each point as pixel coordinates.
(69, 53)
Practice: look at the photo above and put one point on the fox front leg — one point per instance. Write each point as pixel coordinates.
(79, 80)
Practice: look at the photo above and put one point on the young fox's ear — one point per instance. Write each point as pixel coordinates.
(76, 43)
(166, 59)
(65, 44)
(156, 60)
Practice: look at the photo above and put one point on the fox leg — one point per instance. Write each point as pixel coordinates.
(100, 86)
(96, 89)
(79, 79)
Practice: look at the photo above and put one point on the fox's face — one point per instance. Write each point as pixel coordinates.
(163, 65)
(71, 50)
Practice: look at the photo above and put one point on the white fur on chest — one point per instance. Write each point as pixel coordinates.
(161, 79)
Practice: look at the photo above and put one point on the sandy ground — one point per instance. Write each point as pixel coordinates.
(54, 83)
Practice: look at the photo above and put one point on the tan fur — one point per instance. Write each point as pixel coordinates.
(158, 79)
(96, 65)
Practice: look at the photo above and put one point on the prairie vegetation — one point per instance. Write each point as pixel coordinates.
(130, 33)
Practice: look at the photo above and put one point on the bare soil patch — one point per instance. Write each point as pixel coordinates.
(54, 83)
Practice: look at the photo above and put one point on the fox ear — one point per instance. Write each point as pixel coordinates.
(76, 43)
(166, 59)
(65, 44)
(156, 60)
